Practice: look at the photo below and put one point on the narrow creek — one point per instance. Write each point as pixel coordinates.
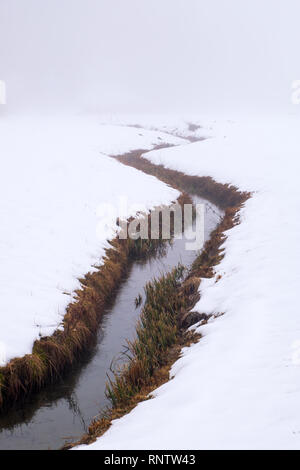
(62, 413)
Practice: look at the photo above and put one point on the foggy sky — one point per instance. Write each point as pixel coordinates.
(149, 55)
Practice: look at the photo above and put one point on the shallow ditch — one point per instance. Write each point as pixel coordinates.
(62, 413)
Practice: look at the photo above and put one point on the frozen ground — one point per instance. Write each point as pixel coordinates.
(55, 177)
(239, 387)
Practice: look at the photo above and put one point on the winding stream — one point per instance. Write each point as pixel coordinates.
(63, 412)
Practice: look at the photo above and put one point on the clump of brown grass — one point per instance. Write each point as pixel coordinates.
(223, 195)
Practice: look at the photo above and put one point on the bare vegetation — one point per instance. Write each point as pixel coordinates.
(222, 195)
(156, 331)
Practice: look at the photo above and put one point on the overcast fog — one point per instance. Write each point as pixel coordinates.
(168, 56)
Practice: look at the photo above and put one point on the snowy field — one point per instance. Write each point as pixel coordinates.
(239, 387)
(55, 177)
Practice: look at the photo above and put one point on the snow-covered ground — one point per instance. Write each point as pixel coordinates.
(239, 387)
(55, 177)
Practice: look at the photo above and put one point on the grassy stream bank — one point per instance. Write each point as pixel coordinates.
(162, 330)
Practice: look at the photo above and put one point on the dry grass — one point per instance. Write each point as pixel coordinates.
(223, 195)
(156, 331)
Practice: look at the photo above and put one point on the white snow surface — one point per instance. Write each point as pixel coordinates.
(239, 386)
(55, 177)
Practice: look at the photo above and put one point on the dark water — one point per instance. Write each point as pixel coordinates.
(63, 412)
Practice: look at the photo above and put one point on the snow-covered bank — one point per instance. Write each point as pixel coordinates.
(55, 173)
(239, 387)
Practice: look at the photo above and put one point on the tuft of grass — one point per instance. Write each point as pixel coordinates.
(212, 253)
